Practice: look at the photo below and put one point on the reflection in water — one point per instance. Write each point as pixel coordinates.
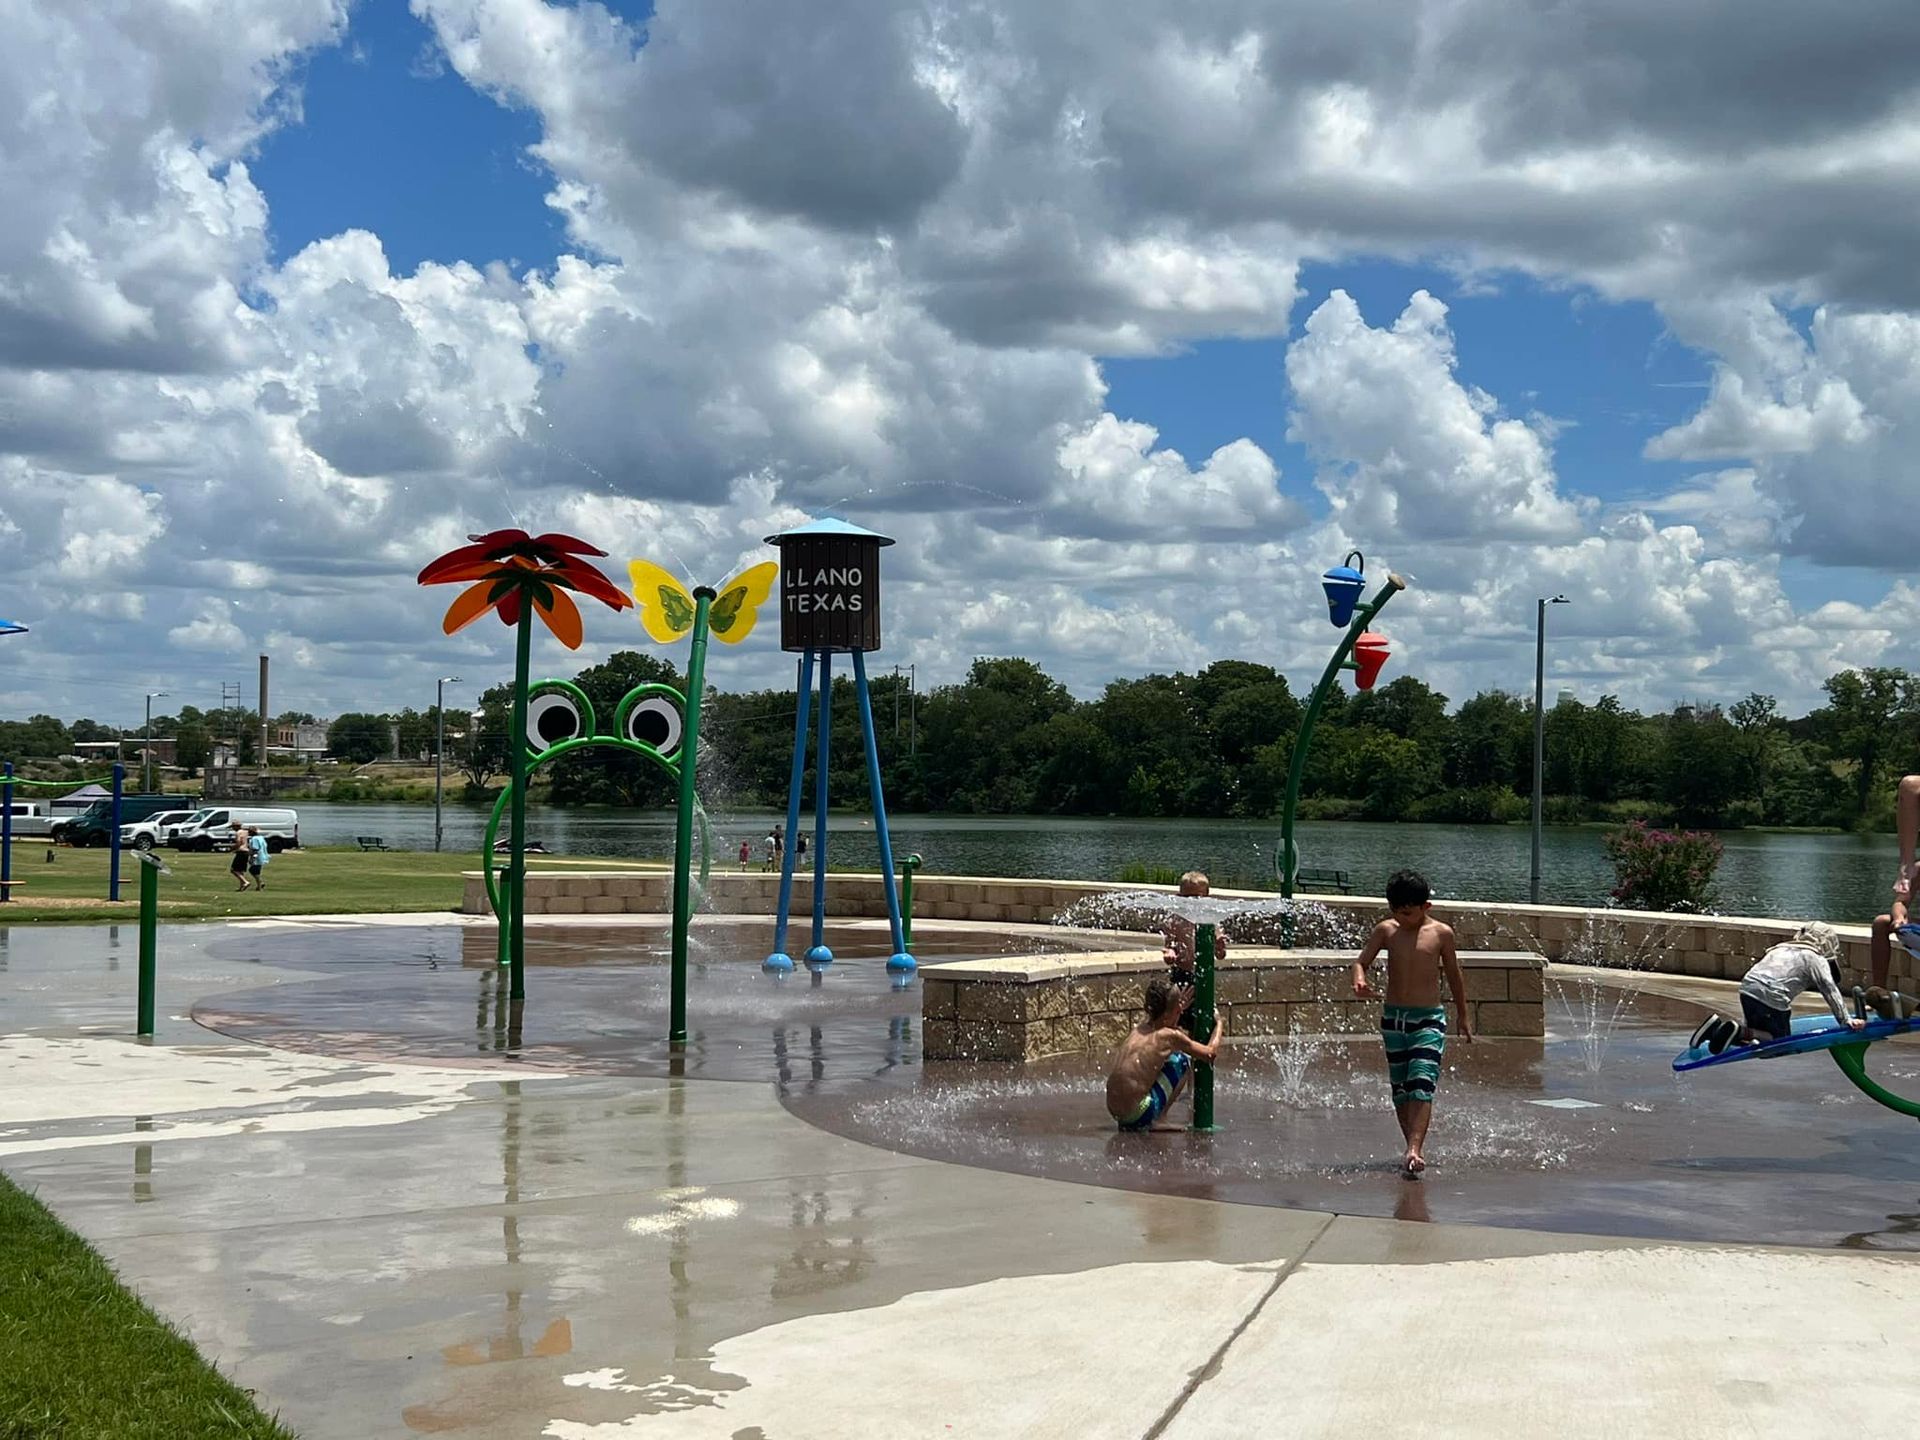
(819, 1261)
(500, 1019)
(1903, 1225)
(142, 1163)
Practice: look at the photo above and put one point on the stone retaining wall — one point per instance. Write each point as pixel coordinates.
(1027, 1008)
(1715, 947)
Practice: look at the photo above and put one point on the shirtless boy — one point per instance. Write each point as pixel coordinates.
(1152, 1064)
(1413, 1023)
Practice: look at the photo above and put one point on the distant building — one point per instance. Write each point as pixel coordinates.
(305, 741)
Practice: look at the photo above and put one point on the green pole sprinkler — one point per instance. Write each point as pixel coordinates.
(1202, 1013)
(907, 867)
(1289, 858)
(683, 819)
(150, 872)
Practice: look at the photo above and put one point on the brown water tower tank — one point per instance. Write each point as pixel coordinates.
(829, 586)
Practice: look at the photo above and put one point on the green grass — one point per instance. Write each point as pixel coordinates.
(83, 1358)
(299, 882)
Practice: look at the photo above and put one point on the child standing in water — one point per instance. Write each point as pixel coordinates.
(1413, 1023)
(1178, 934)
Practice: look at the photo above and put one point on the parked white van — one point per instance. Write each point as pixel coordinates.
(211, 828)
(154, 830)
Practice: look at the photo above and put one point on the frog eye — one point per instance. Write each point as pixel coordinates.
(654, 722)
(553, 716)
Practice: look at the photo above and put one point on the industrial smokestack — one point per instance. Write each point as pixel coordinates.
(265, 724)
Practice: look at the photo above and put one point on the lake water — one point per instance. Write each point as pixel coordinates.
(1842, 878)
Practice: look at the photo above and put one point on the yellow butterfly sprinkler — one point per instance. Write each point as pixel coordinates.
(669, 610)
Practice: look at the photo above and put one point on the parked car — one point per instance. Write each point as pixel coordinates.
(155, 829)
(30, 820)
(211, 827)
(94, 825)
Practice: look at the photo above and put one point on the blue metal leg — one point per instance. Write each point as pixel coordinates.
(779, 961)
(820, 955)
(900, 961)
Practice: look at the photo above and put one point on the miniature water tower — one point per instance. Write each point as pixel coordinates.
(830, 605)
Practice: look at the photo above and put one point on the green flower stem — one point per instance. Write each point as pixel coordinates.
(516, 887)
(683, 818)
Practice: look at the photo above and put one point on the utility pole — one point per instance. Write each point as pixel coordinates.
(1539, 733)
(439, 745)
(146, 748)
(896, 705)
(913, 713)
(266, 789)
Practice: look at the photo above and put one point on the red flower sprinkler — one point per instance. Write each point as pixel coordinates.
(518, 576)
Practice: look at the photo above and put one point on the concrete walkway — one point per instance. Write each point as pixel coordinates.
(388, 1249)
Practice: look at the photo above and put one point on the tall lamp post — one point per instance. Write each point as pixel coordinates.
(146, 749)
(439, 744)
(1539, 732)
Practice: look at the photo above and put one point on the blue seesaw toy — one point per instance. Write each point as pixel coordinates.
(1818, 1032)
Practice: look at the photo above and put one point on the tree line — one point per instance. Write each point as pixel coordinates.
(1010, 740)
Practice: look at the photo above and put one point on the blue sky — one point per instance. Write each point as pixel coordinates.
(1057, 183)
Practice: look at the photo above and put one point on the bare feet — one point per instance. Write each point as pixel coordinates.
(1413, 1164)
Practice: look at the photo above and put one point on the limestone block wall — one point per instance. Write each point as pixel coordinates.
(1027, 1008)
(1716, 947)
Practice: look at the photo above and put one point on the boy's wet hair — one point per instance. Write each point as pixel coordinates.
(1159, 996)
(1195, 882)
(1407, 888)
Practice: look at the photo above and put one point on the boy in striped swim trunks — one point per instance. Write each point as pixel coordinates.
(1413, 1023)
(1152, 1064)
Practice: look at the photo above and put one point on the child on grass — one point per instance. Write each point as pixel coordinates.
(1413, 1023)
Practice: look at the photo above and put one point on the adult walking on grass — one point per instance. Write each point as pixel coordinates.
(242, 857)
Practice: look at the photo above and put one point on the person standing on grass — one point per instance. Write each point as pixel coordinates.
(257, 863)
(242, 856)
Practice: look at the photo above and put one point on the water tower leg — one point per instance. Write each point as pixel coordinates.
(779, 961)
(819, 954)
(900, 961)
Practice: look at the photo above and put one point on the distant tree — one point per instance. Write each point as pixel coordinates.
(192, 746)
(86, 731)
(1867, 713)
(483, 755)
(358, 737)
(416, 733)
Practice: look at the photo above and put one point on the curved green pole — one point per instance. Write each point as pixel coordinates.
(683, 827)
(494, 897)
(1852, 1060)
(1288, 859)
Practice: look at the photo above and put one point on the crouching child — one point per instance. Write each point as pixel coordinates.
(1154, 1062)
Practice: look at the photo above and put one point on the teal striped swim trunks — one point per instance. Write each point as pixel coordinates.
(1415, 1037)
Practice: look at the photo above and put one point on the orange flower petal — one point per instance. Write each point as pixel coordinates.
(589, 581)
(468, 606)
(563, 619)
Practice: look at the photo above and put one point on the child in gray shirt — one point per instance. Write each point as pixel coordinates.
(1809, 961)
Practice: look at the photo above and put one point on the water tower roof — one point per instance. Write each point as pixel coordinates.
(828, 527)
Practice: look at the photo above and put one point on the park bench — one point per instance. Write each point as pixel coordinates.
(370, 842)
(1306, 878)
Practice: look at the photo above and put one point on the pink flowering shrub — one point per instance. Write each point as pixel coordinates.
(1662, 869)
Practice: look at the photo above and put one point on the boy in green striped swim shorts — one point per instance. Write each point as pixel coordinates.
(1413, 1022)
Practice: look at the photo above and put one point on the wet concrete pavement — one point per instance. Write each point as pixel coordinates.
(483, 1245)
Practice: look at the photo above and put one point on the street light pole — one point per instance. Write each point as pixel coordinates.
(146, 749)
(1539, 732)
(913, 711)
(439, 745)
